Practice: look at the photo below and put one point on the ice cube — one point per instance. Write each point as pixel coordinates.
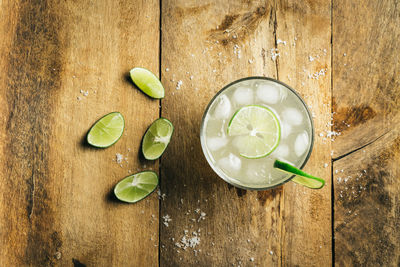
(223, 107)
(230, 163)
(301, 143)
(243, 96)
(215, 127)
(286, 129)
(292, 116)
(268, 93)
(282, 151)
(216, 143)
(255, 173)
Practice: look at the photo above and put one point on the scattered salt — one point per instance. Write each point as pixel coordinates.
(317, 74)
(237, 51)
(167, 219)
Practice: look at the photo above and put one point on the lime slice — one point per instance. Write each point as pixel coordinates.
(147, 82)
(107, 130)
(257, 129)
(156, 138)
(135, 187)
(301, 177)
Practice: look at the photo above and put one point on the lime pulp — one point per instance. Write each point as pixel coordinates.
(157, 138)
(256, 130)
(136, 187)
(147, 82)
(107, 130)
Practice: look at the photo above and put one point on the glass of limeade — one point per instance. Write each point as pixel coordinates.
(224, 152)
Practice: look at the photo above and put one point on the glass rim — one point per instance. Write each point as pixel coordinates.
(225, 177)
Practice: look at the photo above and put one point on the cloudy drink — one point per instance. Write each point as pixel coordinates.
(251, 123)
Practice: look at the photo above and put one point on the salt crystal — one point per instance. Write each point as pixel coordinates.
(119, 157)
(279, 41)
(178, 85)
(274, 53)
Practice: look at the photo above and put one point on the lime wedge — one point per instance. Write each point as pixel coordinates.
(135, 187)
(301, 177)
(257, 131)
(147, 82)
(156, 138)
(107, 130)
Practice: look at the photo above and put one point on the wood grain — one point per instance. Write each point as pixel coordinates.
(366, 96)
(56, 205)
(200, 47)
(305, 27)
(203, 40)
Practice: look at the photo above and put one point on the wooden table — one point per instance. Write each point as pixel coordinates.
(56, 201)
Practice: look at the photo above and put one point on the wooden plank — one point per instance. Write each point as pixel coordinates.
(56, 202)
(212, 41)
(366, 91)
(305, 64)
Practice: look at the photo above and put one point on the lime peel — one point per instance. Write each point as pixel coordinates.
(301, 177)
(147, 82)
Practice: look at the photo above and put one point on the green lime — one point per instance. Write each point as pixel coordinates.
(107, 130)
(156, 138)
(301, 177)
(135, 187)
(147, 82)
(257, 131)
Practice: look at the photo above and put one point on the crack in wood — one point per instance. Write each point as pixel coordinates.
(276, 41)
(32, 197)
(357, 149)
